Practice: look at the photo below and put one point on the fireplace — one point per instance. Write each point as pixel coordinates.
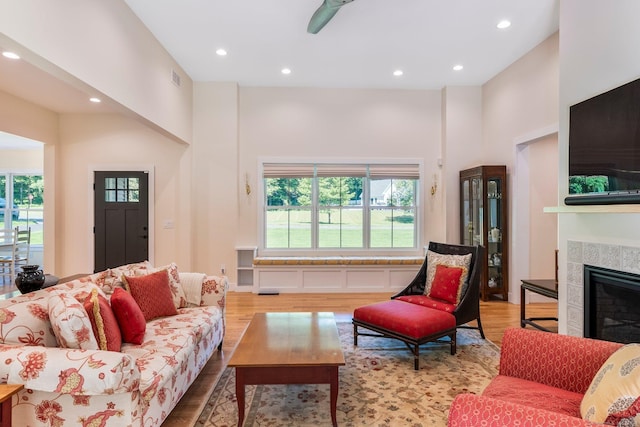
(611, 305)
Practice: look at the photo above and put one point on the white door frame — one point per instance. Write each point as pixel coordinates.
(520, 230)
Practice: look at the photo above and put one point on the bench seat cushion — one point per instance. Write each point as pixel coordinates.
(404, 318)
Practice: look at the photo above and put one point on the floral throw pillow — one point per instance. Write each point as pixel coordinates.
(70, 322)
(614, 394)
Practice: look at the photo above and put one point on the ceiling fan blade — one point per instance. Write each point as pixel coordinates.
(324, 13)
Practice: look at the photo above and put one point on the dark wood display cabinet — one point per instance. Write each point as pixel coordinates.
(483, 221)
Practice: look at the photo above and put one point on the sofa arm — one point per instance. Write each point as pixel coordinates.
(214, 291)
(473, 410)
(69, 371)
(201, 289)
(561, 361)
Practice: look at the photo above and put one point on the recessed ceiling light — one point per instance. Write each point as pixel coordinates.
(95, 100)
(398, 73)
(457, 67)
(286, 71)
(504, 24)
(10, 55)
(221, 52)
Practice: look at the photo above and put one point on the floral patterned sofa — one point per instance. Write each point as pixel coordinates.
(138, 385)
(547, 379)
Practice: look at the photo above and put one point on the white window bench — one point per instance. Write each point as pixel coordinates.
(333, 274)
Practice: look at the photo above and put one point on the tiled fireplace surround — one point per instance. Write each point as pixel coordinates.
(615, 257)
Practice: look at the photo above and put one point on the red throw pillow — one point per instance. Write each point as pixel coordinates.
(103, 322)
(129, 316)
(152, 293)
(446, 283)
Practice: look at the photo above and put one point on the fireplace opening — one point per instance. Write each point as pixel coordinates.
(611, 305)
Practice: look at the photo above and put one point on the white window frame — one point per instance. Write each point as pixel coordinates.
(419, 223)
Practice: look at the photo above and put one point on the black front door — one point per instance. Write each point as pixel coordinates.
(121, 223)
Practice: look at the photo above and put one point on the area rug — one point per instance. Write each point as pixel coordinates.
(378, 387)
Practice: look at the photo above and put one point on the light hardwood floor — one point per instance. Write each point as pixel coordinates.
(496, 316)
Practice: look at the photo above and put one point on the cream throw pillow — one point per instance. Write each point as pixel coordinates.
(434, 258)
(614, 394)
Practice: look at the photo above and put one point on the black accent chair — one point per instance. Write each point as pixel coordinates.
(469, 307)
(467, 310)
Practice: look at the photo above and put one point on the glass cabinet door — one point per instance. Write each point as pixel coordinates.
(494, 236)
(472, 212)
(467, 225)
(476, 190)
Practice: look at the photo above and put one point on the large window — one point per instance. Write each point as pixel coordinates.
(340, 206)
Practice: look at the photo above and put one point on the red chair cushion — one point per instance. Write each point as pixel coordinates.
(428, 302)
(404, 318)
(533, 394)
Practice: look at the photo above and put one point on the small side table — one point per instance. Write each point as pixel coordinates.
(6, 393)
(546, 287)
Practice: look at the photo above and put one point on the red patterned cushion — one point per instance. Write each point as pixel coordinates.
(411, 320)
(179, 298)
(104, 323)
(472, 410)
(129, 316)
(446, 284)
(428, 302)
(152, 293)
(534, 394)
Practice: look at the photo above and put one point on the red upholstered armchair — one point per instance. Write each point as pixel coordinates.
(542, 379)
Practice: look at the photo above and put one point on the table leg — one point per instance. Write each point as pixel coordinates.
(334, 394)
(522, 305)
(240, 394)
(5, 420)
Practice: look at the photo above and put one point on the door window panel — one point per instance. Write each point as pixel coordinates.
(122, 190)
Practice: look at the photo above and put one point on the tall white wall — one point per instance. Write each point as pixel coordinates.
(217, 192)
(461, 149)
(598, 51)
(115, 141)
(302, 123)
(520, 109)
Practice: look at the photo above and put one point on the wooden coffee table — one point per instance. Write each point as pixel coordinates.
(288, 348)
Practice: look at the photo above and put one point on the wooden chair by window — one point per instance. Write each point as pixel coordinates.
(7, 243)
(23, 247)
(17, 243)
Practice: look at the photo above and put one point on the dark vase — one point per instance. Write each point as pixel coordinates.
(30, 279)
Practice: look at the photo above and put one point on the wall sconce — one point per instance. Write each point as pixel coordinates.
(434, 186)
(247, 186)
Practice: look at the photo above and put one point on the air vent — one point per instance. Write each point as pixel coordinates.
(175, 78)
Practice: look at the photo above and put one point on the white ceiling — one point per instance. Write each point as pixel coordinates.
(360, 47)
